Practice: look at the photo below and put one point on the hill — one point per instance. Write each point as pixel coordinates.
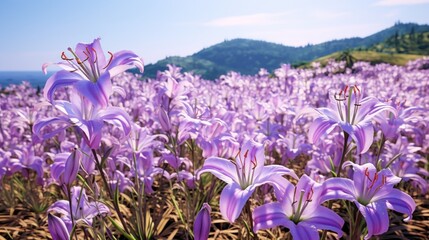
(396, 50)
(369, 56)
(248, 56)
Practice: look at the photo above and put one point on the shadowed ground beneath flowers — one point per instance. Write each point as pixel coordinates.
(21, 222)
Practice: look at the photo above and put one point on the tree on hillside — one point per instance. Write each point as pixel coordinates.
(396, 39)
(348, 58)
(412, 34)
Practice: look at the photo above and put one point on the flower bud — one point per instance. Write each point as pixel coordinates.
(202, 223)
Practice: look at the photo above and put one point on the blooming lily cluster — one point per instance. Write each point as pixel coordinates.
(276, 155)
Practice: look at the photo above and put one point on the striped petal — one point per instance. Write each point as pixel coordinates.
(232, 201)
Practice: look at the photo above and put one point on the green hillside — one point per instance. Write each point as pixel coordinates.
(248, 56)
(415, 43)
(370, 56)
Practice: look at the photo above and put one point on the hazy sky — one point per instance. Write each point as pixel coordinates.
(35, 32)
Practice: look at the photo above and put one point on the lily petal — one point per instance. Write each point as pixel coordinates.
(118, 117)
(40, 124)
(401, 202)
(303, 231)
(363, 135)
(326, 219)
(376, 217)
(57, 228)
(221, 168)
(59, 79)
(320, 126)
(338, 188)
(96, 92)
(269, 174)
(232, 201)
(268, 216)
(123, 61)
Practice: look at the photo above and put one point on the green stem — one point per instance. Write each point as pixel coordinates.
(383, 141)
(343, 155)
(355, 229)
(250, 233)
(106, 184)
(337, 174)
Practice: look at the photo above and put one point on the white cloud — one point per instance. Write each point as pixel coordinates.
(259, 19)
(400, 2)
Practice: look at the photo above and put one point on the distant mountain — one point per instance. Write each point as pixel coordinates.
(248, 56)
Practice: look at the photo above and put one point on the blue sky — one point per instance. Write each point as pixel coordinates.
(35, 32)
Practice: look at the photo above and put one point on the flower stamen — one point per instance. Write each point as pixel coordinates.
(110, 60)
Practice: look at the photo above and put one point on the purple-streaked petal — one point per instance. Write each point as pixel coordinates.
(401, 202)
(59, 79)
(303, 231)
(268, 216)
(320, 126)
(251, 157)
(268, 174)
(94, 208)
(92, 51)
(378, 108)
(359, 175)
(421, 183)
(118, 117)
(92, 132)
(338, 188)
(232, 201)
(326, 219)
(61, 207)
(96, 92)
(282, 190)
(123, 61)
(57, 228)
(376, 217)
(40, 124)
(222, 168)
(363, 135)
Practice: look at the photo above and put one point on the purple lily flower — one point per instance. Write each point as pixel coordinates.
(141, 139)
(26, 159)
(352, 114)
(86, 117)
(403, 160)
(243, 176)
(391, 125)
(57, 228)
(300, 211)
(202, 223)
(146, 170)
(373, 194)
(83, 210)
(89, 72)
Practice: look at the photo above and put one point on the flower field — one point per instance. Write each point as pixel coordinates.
(321, 153)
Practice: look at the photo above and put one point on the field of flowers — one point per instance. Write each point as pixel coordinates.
(321, 153)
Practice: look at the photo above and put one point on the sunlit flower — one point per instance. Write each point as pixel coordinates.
(352, 114)
(82, 210)
(88, 71)
(373, 194)
(300, 211)
(87, 118)
(243, 176)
